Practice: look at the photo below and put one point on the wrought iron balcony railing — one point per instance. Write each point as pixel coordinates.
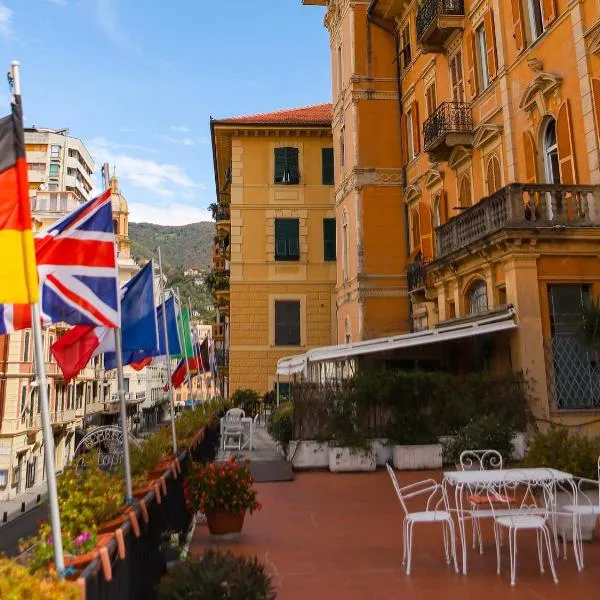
(449, 117)
(432, 10)
(222, 213)
(416, 274)
(521, 205)
(222, 357)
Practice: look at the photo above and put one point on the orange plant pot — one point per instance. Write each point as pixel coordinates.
(224, 523)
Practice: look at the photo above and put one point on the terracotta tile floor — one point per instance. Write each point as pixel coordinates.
(331, 536)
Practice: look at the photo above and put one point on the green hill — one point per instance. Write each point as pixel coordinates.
(185, 246)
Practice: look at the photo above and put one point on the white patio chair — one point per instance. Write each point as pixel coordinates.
(479, 460)
(233, 430)
(436, 511)
(527, 511)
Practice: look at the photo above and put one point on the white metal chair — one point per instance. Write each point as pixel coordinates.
(479, 460)
(526, 511)
(436, 511)
(233, 430)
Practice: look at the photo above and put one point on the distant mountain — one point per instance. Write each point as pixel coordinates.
(183, 246)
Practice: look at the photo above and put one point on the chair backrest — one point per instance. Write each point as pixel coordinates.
(426, 487)
(233, 417)
(480, 460)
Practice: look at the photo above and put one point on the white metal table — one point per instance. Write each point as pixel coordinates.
(460, 480)
(248, 433)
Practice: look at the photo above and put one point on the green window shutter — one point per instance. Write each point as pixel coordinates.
(327, 166)
(329, 239)
(287, 322)
(280, 163)
(292, 166)
(287, 239)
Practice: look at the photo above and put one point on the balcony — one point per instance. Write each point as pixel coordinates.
(449, 126)
(218, 331)
(520, 205)
(220, 264)
(222, 358)
(416, 275)
(222, 217)
(436, 21)
(222, 297)
(221, 248)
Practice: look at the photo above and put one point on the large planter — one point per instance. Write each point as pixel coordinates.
(425, 456)
(308, 454)
(225, 525)
(345, 460)
(565, 522)
(383, 451)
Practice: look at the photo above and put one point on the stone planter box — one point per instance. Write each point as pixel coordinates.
(427, 456)
(383, 451)
(565, 522)
(307, 454)
(351, 460)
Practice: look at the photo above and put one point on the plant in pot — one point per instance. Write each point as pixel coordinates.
(485, 433)
(218, 576)
(281, 425)
(17, 583)
(224, 493)
(170, 549)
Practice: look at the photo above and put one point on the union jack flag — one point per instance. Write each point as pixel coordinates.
(77, 269)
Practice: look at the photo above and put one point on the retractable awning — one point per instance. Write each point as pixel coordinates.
(298, 363)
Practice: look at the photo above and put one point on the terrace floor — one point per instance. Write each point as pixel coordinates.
(326, 536)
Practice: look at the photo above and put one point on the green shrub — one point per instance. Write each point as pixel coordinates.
(590, 322)
(246, 399)
(281, 425)
(486, 433)
(217, 576)
(560, 450)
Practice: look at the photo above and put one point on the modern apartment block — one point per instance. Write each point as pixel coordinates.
(58, 162)
(467, 141)
(275, 248)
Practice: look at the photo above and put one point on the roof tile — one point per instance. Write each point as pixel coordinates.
(316, 114)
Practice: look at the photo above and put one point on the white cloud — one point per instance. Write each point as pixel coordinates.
(58, 2)
(173, 214)
(180, 128)
(100, 141)
(6, 30)
(185, 141)
(163, 179)
(126, 129)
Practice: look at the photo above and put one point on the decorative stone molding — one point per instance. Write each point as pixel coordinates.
(358, 178)
(541, 87)
(459, 156)
(593, 39)
(485, 133)
(413, 194)
(433, 177)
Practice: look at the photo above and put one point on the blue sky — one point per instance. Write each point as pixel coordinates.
(138, 79)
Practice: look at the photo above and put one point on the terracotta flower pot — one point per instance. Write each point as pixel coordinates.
(112, 524)
(225, 524)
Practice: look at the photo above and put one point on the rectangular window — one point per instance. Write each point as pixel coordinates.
(340, 73)
(54, 151)
(342, 146)
(23, 400)
(483, 76)
(430, 99)
(286, 166)
(410, 135)
(26, 345)
(287, 239)
(54, 170)
(50, 342)
(327, 166)
(536, 21)
(329, 239)
(456, 78)
(405, 50)
(287, 322)
(566, 302)
(38, 167)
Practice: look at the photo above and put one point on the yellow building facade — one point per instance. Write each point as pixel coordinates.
(472, 182)
(275, 248)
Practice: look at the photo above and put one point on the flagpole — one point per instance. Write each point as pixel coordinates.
(185, 354)
(195, 349)
(167, 350)
(40, 368)
(123, 410)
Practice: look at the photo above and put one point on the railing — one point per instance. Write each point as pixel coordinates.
(449, 117)
(218, 330)
(518, 205)
(432, 10)
(222, 213)
(416, 275)
(222, 357)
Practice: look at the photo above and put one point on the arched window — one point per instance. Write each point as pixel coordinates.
(437, 210)
(477, 297)
(493, 175)
(415, 229)
(551, 163)
(345, 259)
(464, 192)
(115, 226)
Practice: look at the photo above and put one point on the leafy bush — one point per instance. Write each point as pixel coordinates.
(560, 450)
(281, 425)
(485, 433)
(217, 576)
(246, 399)
(590, 322)
(16, 583)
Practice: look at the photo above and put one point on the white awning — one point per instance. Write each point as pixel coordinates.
(297, 363)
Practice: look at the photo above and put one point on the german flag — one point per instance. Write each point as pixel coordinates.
(18, 272)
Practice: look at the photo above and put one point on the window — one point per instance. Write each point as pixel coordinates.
(478, 298)
(23, 400)
(26, 339)
(551, 162)
(410, 146)
(345, 258)
(420, 323)
(347, 331)
(327, 166)
(50, 342)
(287, 239)
(30, 472)
(430, 99)
(342, 145)
(328, 239)
(54, 170)
(464, 192)
(54, 151)
(287, 322)
(536, 21)
(405, 51)
(456, 78)
(340, 73)
(38, 167)
(483, 76)
(437, 210)
(493, 176)
(286, 166)
(416, 229)
(566, 302)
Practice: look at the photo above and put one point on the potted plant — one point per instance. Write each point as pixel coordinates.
(17, 583)
(484, 433)
(281, 426)
(224, 493)
(571, 453)
(218, 576)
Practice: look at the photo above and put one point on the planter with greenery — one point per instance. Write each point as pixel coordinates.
(224, 493)
(218, 576)
(281, 425)
(17, 583)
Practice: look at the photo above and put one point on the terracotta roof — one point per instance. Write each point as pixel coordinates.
(318, 114)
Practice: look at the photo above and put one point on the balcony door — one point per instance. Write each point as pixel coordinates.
(456, 78)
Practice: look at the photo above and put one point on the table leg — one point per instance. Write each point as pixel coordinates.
(458, 501)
